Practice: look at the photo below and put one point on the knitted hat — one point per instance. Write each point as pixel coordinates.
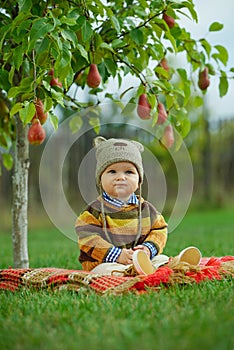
(117, 150)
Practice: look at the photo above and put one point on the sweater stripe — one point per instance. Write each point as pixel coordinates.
(122, 228)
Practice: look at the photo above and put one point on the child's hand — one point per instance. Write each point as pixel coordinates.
(125, 257)
(143, 247)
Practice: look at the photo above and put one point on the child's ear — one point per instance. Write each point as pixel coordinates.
(98, 140)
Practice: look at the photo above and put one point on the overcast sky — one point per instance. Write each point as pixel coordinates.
(217, 11)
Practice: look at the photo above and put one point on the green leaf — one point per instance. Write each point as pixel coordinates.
(95, 123)
(27, 113)
(83, 52)
(48, 103)
(152, 100)
(18, 20)
(183, 124)
(211, 69)
(16, 108)
(129, 108)
(7, 161)
(5, 140)
(198, 101)
(115, 23)
(11, 75)
(215, 27)
(75, 124)
(154, 117)
(69, 77)
(111, 66)
(86, 31)
(170, 101)
(119, 80)
(3, 32)
(179, 91)
(42, 58)
(18, 56)
(206, 46)
(69, 35)
(187, 93)
(185, 127)
(140, 90)
(54, 120)
(125, 91)
(63, 61)
(24, 5)
(46, 85)
(223, 85)
(172, 40)
(137, 36)
(116, 43)
(4, 81)
(23, 27)
(160, 83)
(190, 7)
(39, 28)
(26, 83)
(68, 21)
(58, 96)
(13, 92)
(43, 46)
(162, 72)
(106, 46)
(223, 54)
(182, 72)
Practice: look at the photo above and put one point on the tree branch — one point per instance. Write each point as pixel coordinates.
(142, 25)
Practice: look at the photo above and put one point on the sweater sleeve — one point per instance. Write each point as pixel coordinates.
(158, 232)
(90, 237)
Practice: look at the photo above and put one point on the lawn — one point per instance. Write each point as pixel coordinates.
(180, 317)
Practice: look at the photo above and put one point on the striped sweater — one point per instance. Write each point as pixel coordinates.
(122, 228)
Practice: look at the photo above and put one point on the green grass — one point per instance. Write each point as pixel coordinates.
(180, 317)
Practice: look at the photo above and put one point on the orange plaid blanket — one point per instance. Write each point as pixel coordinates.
(52, 278)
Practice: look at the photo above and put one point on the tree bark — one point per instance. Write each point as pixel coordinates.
(20, 197)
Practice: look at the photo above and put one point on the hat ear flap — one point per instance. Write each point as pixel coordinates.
(138, 145)
(98, 140)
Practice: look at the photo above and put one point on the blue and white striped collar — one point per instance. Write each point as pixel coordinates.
(118, 202)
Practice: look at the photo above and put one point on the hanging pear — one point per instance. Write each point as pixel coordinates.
(40, 114)
(143, 107)
(36, 133)
(169, 20)
(93, 77)
(168, 138)
(162, 114)
(203, 79)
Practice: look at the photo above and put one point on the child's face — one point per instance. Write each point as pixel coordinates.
(120, 180)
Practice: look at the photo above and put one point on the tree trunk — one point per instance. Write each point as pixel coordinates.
(20, 197)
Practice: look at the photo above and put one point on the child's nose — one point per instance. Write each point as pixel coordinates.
(120, 176)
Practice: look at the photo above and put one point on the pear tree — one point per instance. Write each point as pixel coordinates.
(49, 47)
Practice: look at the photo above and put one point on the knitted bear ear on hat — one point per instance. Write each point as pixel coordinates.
(98, 140)
(138, 145)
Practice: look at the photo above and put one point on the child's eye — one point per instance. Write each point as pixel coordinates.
(111, 171)
(129, 172)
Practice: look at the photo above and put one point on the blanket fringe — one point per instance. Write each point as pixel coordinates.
(227, 268)
(76, 280)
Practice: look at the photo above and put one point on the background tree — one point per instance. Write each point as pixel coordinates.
(48, 48)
